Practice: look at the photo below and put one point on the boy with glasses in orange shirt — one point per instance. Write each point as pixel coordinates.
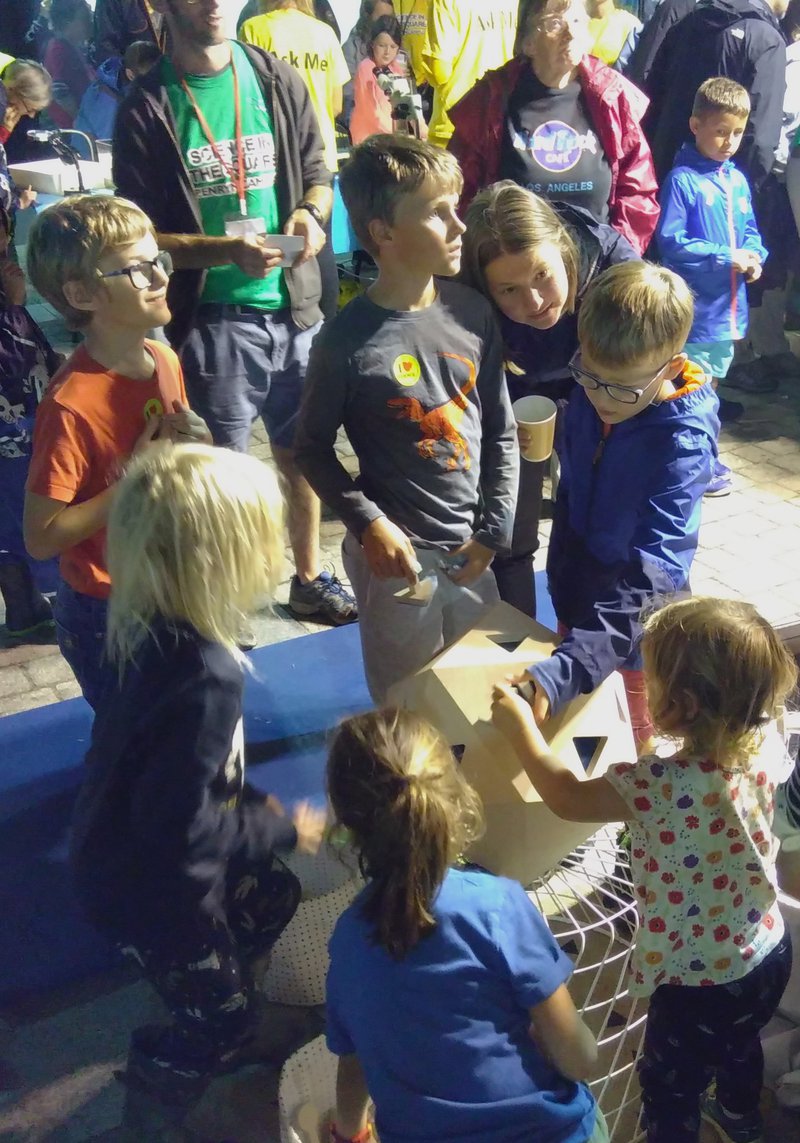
(96, 260)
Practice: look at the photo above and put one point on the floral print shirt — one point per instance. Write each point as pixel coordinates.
(703, 861)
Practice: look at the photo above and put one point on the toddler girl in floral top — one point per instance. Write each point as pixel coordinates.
(712, 953)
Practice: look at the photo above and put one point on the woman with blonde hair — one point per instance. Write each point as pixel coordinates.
(446, 996)
(173, 854)
(534, 260)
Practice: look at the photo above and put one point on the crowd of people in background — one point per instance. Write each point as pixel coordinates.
(597, 203)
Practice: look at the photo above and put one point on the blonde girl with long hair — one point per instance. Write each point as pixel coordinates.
(174, 856)
(712, 954)
(446, 997)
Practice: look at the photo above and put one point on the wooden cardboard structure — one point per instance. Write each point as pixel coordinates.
(523, 838)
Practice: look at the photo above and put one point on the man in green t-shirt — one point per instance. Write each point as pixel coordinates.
(219, 144)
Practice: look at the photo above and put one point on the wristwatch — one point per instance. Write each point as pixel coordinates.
(314, 211)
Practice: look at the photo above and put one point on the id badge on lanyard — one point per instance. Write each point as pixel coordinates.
(238, 224)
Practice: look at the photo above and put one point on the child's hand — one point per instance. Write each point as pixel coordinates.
(185, 427)
(513, 716)
(151, 430)
(389, 552)
(534, 699)
(478, 558)
(310, 826)
(744, 260)
(511, 713)
(754, 272)
(12, 283)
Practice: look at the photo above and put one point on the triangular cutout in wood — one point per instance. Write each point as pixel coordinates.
(523, 838)
(589, 748)
(508, 645)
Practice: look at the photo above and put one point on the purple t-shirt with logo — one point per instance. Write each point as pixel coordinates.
(551, 148)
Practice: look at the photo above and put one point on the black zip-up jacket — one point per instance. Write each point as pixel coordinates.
(164, 810)
(149, 169)
(656, 27)
(741, 39)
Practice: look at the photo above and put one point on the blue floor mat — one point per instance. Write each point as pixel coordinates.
(297, 692)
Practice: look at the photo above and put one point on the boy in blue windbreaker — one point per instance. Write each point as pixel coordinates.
(639, 446)
(707, 232)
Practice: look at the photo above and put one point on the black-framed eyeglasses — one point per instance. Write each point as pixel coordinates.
(141, 275)
(619, 393)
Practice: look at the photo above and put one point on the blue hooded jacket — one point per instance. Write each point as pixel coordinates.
(706, 214)
(625, 528)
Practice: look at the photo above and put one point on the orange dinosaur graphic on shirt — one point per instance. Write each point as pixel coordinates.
(441, 422)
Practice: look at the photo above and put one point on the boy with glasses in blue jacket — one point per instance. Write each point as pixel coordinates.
(640, 443)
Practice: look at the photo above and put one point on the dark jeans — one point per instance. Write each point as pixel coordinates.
(81, 632)
(696, 1034)
(241, 363)
(514, 572)
(13, 474)
(207, 986)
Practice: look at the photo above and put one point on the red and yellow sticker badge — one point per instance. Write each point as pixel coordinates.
(406, 369)
(153, 408)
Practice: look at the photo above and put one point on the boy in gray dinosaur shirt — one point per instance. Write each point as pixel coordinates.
(414, 371)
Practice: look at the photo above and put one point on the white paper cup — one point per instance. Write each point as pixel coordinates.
(537, 415)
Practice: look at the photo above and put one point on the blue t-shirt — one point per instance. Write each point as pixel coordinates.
(442, 1035)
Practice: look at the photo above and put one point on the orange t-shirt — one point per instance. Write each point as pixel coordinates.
(85, 429)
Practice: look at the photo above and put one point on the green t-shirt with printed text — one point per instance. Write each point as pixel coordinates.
(214, 189)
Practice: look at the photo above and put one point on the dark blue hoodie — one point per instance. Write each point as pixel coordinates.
(706, 214)
(625, 528)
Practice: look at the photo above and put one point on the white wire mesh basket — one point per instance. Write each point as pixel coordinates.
(588, 904)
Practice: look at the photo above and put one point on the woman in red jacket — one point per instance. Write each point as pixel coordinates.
(561, 124)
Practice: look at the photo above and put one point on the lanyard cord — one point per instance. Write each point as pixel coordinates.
(235, 173)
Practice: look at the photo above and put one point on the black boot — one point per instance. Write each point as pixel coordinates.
(28, 613)
(157, 1098)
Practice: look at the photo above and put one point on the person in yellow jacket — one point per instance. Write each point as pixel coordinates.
(614, 33)
(463, 39)
(291, 32)
(413, 17)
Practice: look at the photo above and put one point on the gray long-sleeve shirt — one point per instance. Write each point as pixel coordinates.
(422, 397)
